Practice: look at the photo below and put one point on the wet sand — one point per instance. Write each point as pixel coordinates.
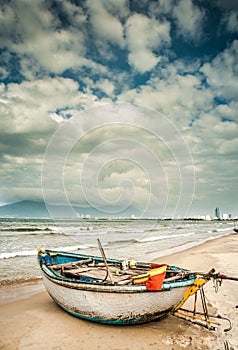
(31, 320)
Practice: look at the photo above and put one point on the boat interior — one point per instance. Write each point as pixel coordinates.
(121, 273)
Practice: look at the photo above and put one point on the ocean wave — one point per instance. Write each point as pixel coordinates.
(224, 229)
(22, 253)
(8, 255)
(123, 242)
(184, 246)
(87, 233)
(29, 229)
(159, 238)
(22, 231)
(119, 243)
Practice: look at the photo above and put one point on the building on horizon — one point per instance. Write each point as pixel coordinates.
(217, 213)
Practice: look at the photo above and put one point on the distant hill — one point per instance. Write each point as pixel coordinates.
(32, 209)
(24, 209)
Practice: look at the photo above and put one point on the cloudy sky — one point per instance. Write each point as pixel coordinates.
(136, 101)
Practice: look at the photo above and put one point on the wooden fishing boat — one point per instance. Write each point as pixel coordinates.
(114, 291)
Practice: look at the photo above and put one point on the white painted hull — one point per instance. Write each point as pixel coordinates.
(110, 305)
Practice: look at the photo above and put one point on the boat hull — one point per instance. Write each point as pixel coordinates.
(113, 307)
(100, 300)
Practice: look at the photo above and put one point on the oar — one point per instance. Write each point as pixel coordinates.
(224, 277)
(105, 260)
(212, 274)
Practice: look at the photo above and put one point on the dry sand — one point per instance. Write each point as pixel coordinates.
(33, 321)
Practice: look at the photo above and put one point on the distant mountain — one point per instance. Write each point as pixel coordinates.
(24, 209)
(32, 209)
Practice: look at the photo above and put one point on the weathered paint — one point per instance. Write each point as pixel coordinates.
(114, 308)
(136, 320)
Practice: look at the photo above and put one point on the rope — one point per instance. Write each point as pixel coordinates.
(226, 345)
(216, 282)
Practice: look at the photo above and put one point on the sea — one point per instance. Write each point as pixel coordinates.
(140, 239)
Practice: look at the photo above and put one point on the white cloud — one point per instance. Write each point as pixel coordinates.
(26, 107)
(119, 9)
(7, 22)
(106, 86)
(41, 39)
(3, 73)
(230, 20)
(189, 19)
(161, 6)
(222, 72)
(53, 51)
(74, 14)
(180, 97)
(213, 143)
(222, 129)
(146, 37)
(104, 154)
(28, 121)
(106, 26)
(212, 137)
(43, 45)
(229, 147)
(32, 33)
(228, 111)
(118, 182)
(215, 146)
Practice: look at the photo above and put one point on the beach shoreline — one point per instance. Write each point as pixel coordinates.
(31, 320)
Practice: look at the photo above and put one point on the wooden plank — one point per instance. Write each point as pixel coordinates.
(71, 263)
(99, 271)
(124, 281)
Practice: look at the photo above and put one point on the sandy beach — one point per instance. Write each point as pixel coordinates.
(31, 320)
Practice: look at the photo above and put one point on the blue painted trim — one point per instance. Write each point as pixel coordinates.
(73, 256)
(167, 285)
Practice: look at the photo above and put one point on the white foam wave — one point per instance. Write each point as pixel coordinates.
(183, 247)
(8, 255)
(158, 238)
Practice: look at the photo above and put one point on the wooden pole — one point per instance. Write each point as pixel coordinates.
(224, 277)
(105, 260)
